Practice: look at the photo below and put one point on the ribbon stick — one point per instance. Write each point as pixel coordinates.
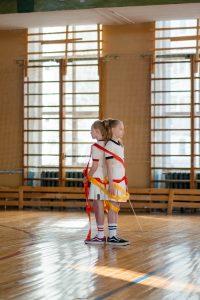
(137, 220)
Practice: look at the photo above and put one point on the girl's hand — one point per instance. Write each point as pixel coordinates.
(84, 180)
(111, 189)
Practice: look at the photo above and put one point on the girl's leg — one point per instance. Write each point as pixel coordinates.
(113, 220)
(112, 226)
(99, 215)
(94, 207)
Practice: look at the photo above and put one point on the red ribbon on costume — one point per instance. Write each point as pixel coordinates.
(117, 158)
(122, 179)
(113, 154)
(88, 203)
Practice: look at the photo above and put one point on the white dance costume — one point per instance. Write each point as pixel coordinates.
(95, 193)
(118, 169)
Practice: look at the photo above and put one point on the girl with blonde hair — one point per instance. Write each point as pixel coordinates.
(97, 174)
(117, 186)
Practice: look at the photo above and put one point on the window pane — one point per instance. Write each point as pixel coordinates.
(171, 110)
(172, 149)
(172, 162)
(168, 136)
(171, 123)
(171, 97)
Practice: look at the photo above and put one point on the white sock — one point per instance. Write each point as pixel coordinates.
(112, 229)
(100, 233)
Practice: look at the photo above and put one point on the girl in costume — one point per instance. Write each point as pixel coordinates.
(97, 177)
(117, 187)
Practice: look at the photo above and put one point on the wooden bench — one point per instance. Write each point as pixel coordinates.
(189, 198)
(9, 196)
(148, 198)
(73, 197)
(51, 197)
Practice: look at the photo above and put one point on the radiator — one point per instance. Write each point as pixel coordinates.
(50, 178)
(176, 178)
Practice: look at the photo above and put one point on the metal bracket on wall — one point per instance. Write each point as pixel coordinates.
(11, 171)
(110, 57)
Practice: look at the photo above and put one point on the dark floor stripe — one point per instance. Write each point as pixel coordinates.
(19, 229)
(123, 287)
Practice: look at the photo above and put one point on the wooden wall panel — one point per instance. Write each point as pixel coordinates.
(13, 46)
(126, 92)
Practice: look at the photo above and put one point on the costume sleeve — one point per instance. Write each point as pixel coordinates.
(95, 153)
(109, 147)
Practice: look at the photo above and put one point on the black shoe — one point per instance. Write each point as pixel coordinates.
(117, 241)
(96, 241)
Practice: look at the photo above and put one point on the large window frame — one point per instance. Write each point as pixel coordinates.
(175, 101)
(62, 98)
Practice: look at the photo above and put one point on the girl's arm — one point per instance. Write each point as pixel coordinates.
(92, 170)
(111, 188)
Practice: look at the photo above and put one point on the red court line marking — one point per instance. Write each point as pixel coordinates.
(19, 229)
(11, 255)
(19, 251)
(15, 253)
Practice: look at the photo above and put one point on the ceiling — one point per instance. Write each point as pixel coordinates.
(106, 16)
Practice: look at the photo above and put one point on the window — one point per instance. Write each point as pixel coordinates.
(61, 101)
(175, 105)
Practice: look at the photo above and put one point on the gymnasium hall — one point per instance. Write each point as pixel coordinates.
(65, 64)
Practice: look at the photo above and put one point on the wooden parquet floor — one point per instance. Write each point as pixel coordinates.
(43, 257)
